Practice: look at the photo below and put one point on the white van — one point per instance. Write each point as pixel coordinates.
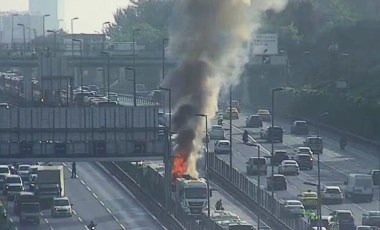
(359, 186)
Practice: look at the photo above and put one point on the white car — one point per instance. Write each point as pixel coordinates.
(304, 150)
(332, 194)
(365, 227)
(4, 170)
(295, 207)
(288, 167)
(61, 207)
(12, 186)
(217, 132)
(222, 147)
(23, 171)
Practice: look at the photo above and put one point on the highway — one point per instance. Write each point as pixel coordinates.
(96, 196)
(335, 164)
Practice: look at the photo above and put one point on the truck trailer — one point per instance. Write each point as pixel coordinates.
(50, 182)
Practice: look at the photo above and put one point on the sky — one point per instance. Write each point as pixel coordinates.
(91, 13)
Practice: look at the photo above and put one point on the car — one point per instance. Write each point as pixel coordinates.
(23, 197)
(217, 133)
(264, 115)
(277, 182)
(234, 112)
(305, 161)
(4, 170)
(332, 194)
(13, 179)
(315, 144)
(375, 176)
(299, 127)
(342, 219)
(326, 222)
(12, 190)
(235, 104)
(222, 147)
(295, 208)
(272, 134)
(366, 227)
(288, 167)
(371, 218)
(254, 121)
(318, 228)
(112, 96)
(256, 165)
(279, 156)
(23, 171)
(304, 150)
(61, 207)
(309, 199)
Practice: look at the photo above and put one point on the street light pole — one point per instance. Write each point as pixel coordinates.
(230, 132)
(134, 67)
(72, 35)
(163, 56)
(81, 67)
(168, 157)
(55, 41)
(206, 168)
(43, 24)
(108, 74)
(104, 33)
(272, 144)
(23, 35)
(12, 44)
(257, 145)
(319, 175)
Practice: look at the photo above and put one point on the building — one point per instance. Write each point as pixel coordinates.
(55, 8)
(32, 23)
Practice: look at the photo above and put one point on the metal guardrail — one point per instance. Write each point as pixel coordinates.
(127, 98)
(270, 205)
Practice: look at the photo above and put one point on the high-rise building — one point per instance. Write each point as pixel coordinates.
(32, 23)
(53, 7)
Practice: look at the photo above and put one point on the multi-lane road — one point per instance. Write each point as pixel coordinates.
(96, 195)
(335, 165)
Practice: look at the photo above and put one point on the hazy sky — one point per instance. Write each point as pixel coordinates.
(91, 13)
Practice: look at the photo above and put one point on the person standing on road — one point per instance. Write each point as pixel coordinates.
(73, 170)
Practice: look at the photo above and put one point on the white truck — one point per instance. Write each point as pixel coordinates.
(50, 182)
(191, 194)
(221, 219)
(359, 187)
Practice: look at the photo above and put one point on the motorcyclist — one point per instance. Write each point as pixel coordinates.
(219, 205)
(245, 136)
(343, 142)
(91, 225)
(220, 119)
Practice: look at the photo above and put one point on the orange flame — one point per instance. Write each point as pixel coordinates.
(179, 165)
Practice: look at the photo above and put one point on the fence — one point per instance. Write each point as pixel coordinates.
(259, 196)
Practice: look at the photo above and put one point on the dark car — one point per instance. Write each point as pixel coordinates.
(372, 218)
(343, 220)
(272, 134)
(254, 121)
(299, 127)
(305, 161)
(375, 176)
(279, 156)
(277, 182)
(23, 197)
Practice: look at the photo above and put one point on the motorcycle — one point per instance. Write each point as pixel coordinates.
(220, 121)
(91, 226)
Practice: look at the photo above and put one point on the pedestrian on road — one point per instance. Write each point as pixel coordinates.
(73, 170)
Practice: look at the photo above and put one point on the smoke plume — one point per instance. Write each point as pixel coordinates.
(209, 39)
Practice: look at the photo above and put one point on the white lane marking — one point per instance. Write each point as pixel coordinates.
(96, 197)
(86, 227)
(80, 219)
(46, 220)
(122, 226)
(108, 210)
(64, 164)
(11, 220)
(81, 181)
(117, 220)
(101, 202)
(88, 188)
(75, 213)
(51, 227)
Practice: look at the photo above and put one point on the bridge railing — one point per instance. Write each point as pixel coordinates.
(127, 98)
(233, 178)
